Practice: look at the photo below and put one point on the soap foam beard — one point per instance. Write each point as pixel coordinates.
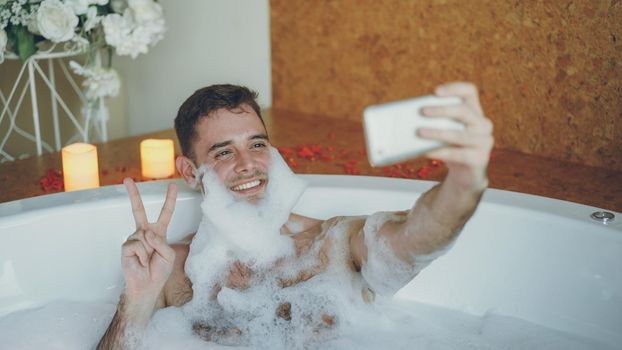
(251, 230)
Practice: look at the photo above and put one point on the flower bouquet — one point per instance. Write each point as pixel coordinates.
(29, 28)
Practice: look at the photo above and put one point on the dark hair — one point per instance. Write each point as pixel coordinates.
(205, 101)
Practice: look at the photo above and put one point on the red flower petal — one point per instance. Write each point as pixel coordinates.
(436, 163)
(424, 172)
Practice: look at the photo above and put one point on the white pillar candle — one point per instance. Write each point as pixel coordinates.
(157, 158)
(80, 169)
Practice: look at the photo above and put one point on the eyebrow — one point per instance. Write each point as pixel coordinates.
(229, 142)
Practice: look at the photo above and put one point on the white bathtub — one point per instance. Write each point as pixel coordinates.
(538, 259)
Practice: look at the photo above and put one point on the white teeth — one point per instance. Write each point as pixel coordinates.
(246, 186)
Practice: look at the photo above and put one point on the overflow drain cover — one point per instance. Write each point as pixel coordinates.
(603, 216)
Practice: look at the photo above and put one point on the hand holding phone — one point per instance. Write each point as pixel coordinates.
(391, 128)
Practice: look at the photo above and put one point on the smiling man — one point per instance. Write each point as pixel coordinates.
(233, 122)
(220, 128)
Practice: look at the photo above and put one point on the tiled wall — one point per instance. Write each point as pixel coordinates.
(549, 72)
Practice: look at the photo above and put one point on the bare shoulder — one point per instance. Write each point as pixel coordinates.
(181, 251)
(178, 288)
(298, 223)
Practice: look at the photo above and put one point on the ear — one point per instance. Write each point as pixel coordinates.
(186, 167)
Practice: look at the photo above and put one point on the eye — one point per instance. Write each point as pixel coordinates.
(259, 145)
(223, 154)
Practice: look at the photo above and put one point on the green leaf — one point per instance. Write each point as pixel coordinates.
(25, 42)
(103, 10)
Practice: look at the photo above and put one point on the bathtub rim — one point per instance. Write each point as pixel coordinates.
(155, 190)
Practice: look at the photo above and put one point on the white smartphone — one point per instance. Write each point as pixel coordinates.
(391, 128)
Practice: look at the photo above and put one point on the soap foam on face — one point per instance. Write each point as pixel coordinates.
(233, 230)
(252, 230)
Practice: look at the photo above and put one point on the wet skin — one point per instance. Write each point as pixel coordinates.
(234, 143)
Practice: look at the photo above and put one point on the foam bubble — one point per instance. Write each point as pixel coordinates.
(236, 230)
(249, 229)
(383, 270)
(387, 324)
(59, 325)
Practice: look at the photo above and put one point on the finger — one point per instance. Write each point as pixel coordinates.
(136, 248)
(160, 246)
(169, 206)
(138, 209)
(455, 137)
(464, 156)
(139, 235)
(462, 113)
(235, 269)
(465, 90)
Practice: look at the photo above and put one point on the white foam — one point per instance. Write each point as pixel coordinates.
(61, 325)
(383, 270)
(249, 229)
(236, 230)
(384, 325)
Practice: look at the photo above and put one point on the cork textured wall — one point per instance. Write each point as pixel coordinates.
(549, 72)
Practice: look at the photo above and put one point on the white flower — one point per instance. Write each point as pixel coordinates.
(56, 21)
(33, 26)
(118, 6)
(78, 43)
(92, 20)
(129, 37)
(117, 28)
(99, 82)
(145, 11)
(3, 41)
(79, 6)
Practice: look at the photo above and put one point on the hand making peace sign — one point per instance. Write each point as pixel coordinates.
(147, 259)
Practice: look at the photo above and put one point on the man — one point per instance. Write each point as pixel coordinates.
(221, 127)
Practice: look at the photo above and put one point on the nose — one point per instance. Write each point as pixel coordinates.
(245, 163)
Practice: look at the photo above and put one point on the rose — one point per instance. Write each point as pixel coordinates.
(3, 41)
(56, 21)
(145, 11)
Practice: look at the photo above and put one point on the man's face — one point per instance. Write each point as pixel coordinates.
(235, 145)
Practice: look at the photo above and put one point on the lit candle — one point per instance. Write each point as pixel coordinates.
(80, 170)
(157, 158)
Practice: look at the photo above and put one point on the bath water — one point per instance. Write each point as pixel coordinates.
(393, 324)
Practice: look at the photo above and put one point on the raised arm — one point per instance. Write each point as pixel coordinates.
(147, 262)
(439, 214)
